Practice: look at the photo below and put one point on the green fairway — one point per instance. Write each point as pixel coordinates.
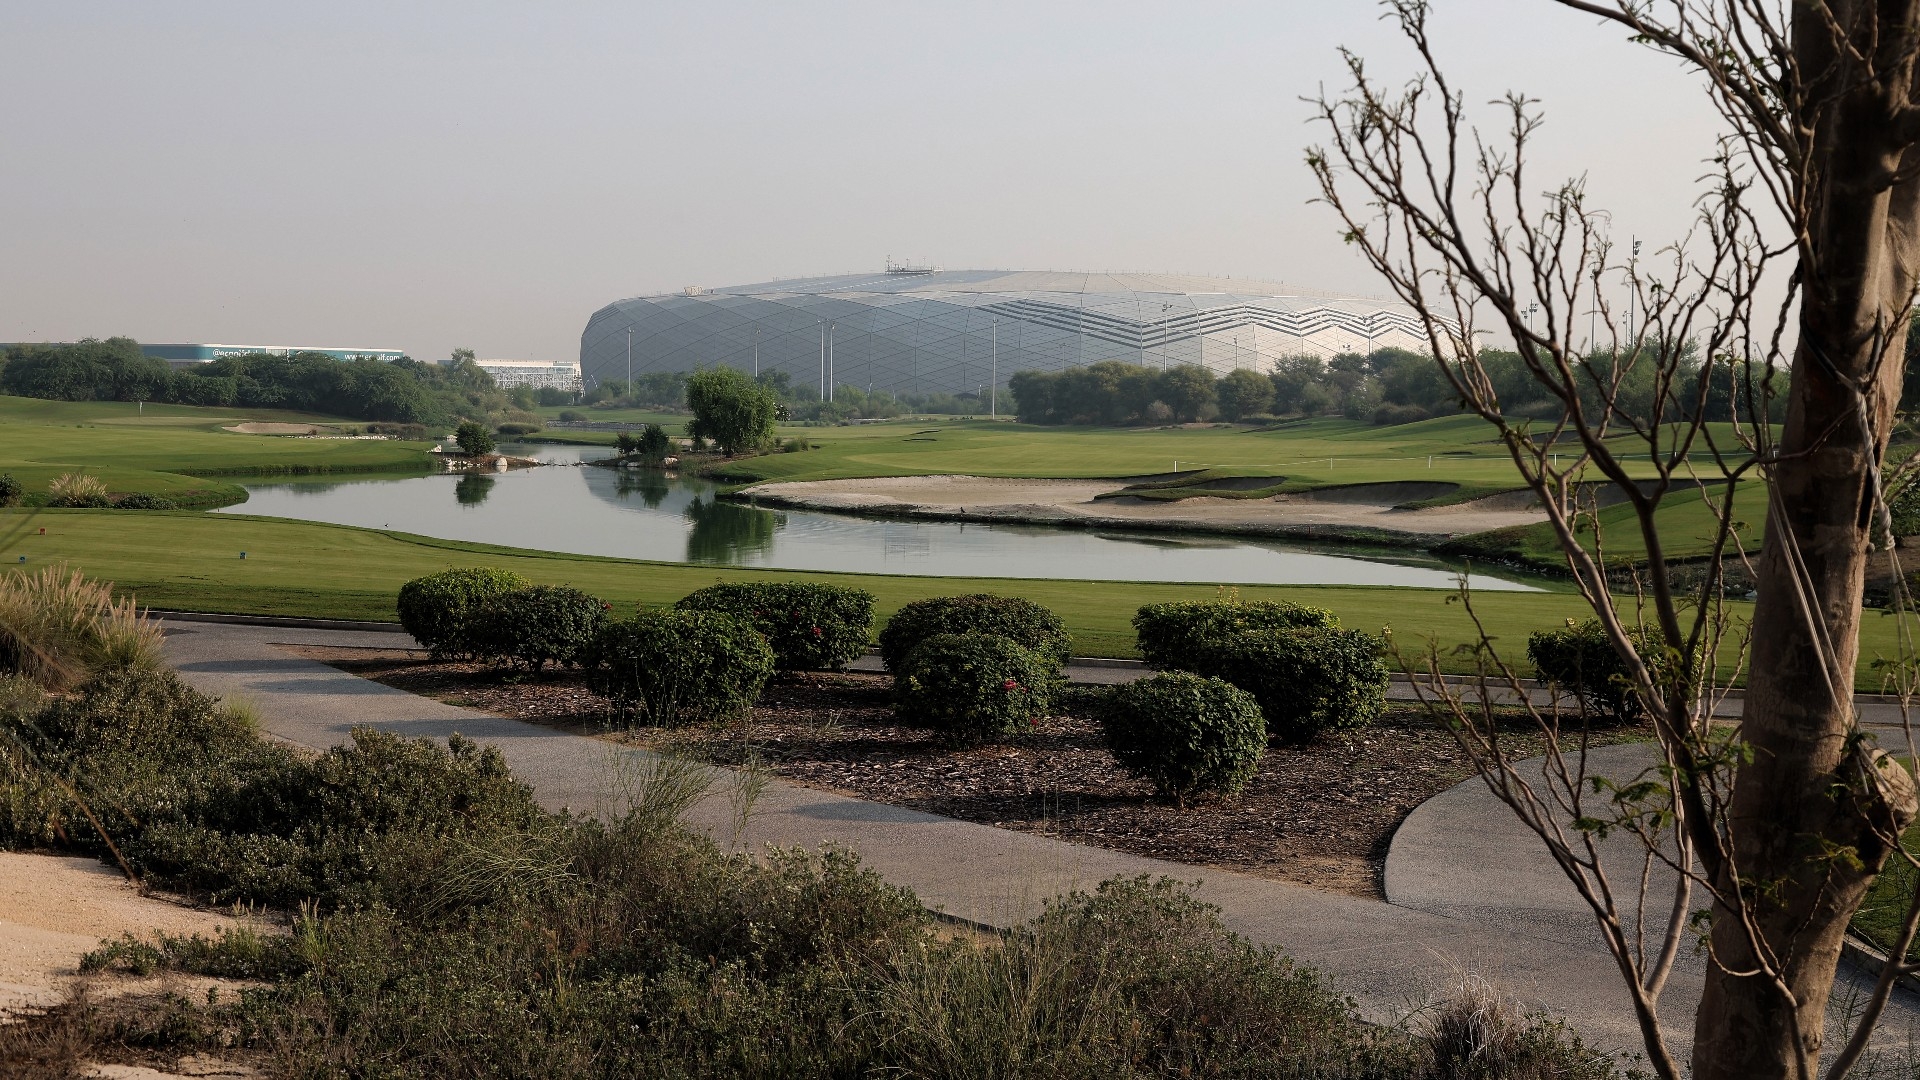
(174, 450)
(192, 561)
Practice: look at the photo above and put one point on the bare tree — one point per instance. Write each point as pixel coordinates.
(1777, 826)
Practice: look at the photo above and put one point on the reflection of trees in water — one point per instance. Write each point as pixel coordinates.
(724, 531)
(651, 485)
(473, 489)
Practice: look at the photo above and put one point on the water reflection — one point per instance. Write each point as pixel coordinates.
(473, 489)
(725, 532)
(650, 484)
(646, 514)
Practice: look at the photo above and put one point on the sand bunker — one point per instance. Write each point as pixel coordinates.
(1368, 506)
(257, 427)
(55, 910)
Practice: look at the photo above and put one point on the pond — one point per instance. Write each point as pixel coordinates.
(637, 514)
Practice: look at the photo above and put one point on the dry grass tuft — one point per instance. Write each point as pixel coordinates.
(59, 627)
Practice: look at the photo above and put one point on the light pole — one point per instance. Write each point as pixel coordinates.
(830, 376)
(1633, 286)
(629, 361)
(756, 352)
(822, 324)
(993, 388)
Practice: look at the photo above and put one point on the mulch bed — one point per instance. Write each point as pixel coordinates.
(1320, 815)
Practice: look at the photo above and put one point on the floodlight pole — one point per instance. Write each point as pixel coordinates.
(629, 361)
(756, 352)
(830, 375)
(993, 388)
(822, 324)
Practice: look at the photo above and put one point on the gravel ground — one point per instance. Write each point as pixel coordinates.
(1320, 815)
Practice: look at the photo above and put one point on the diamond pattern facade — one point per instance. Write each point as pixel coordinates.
(950, 331)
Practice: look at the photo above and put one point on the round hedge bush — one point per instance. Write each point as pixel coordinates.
(436, 609)
(1581, 660)
(811, 627)
(680, 667)
(536, 626)
(1174, 635)
(1187, 734)
(1308, 682)
(1028, 624)
(11, 490)
(144, 500)
(972, 688)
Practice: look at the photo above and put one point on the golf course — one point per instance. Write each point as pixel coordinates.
(187, 560)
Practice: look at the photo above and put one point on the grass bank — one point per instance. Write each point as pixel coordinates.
(176, 451)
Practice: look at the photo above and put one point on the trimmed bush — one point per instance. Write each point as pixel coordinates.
(1030, 626)
(511, 429)
(1173, 635)
(536, 626)
(11, 490)
(1308, 681)
(144, 500)
(972, 688)
(437, 609)
(1188, 734)
(1581, 660)
(810, 627)
(680, 667)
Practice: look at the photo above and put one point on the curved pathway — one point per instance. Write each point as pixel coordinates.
(1477, 901)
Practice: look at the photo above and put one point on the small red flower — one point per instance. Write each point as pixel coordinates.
(816, 631)
(1009, 685)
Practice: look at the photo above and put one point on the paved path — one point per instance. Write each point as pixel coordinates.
(1484, 908)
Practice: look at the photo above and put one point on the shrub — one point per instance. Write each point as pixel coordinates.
(78, 490)
(810, 627)
(11, 490)
(536, 626)
(1581, 659)
(144, 500)
(1029, 625)
(573, 416)
(1308, 681)
(515, 428)
(1173, 635)
(972, 688)
(680, 667)
(1188, 734)
(437, 609)
(60, 628)
(473, 439)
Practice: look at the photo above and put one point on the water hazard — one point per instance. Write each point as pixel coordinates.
(638, 514)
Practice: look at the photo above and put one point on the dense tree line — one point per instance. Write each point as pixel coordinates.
(668, 390)
(1387, 386)
(403, 391)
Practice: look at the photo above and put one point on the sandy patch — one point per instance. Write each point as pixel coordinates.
(989, 498)
(256, 427)
(54, 910)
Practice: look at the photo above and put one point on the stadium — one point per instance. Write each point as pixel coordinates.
(908, 330)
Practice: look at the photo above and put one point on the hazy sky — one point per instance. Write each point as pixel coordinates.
(425, 175)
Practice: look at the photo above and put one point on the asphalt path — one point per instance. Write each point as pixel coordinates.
(1468, 889)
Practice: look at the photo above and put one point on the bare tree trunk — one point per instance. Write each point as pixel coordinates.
(1811, 820)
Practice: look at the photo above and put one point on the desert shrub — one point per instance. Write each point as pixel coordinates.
(78, 491)
(679, 667)
(1188, 734)
(59, 628)
(810, 627)
(1581, 660)
(1308, 681)
(513, 428)
(1173, 635)
(536, 626)
(1030, 626)
(11, 490)
(972, 688)
(437, 609)
(144, 500)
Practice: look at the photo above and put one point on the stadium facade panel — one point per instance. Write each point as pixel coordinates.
(953, 331)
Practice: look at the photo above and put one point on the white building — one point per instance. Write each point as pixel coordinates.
(539, 374)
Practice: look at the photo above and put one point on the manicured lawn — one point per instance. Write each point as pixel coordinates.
(173, 450)
(192, 561)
